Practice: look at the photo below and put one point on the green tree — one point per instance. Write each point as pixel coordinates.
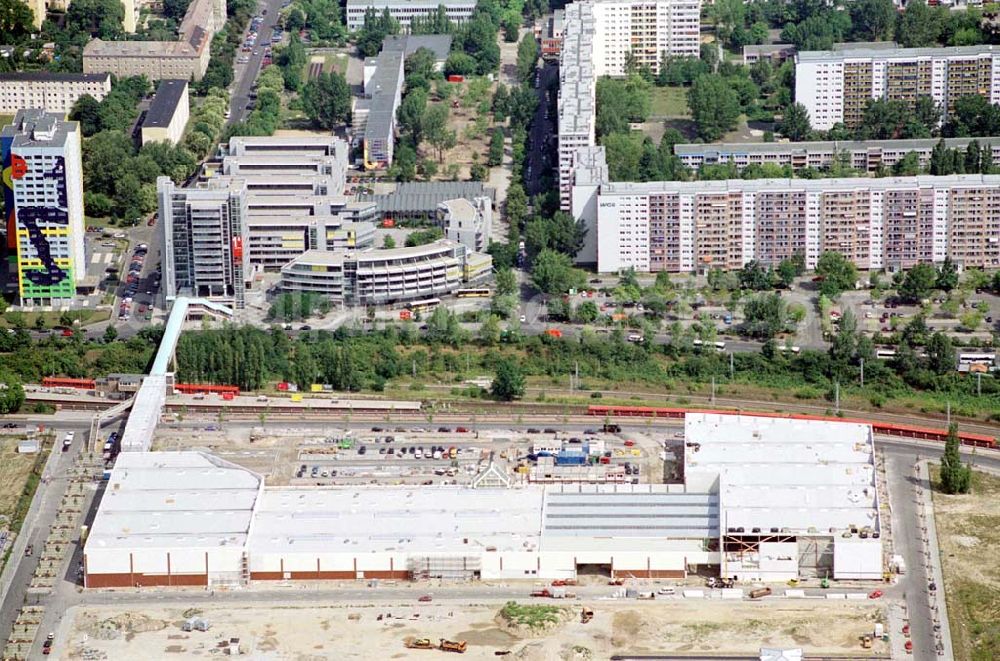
(411, 114)
(873, 20)
(495, 156)
(375, 29)
(99, 18)
(786, 273)
(764, 315)
(553, 273)
(714, 106)
(434, 126)
(506, 281)
(388, 243)
(326, 100)
(756, 276)
(586, 313)
(794, 123)
(16, 19)
(839, 273)
(940, 354)
(508, 383)
(110, 334)
(956, 477)
(86, 110)
(918, 25)
(11, 392)
(918, 282)
(947, 277)
(489, 331)
(527, 57)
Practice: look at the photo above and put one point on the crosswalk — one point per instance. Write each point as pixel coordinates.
(98, 257)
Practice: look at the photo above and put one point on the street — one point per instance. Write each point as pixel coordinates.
(541, 145)
(246, 74)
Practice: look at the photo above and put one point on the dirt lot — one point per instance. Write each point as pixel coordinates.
(14, 471)
(969, 534)
(313, 632)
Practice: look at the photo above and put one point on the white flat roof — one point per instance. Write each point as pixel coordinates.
(175, 500)
(784, 473)
(397, 519)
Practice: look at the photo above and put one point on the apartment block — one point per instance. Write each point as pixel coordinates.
(836, 85)
(597, 38)
(695, 226)
(774, 53)
(868, 156)
(404, 11)
(184, 59)
(375, 277)
(204, 238)
(168, 113)
(41, 158)
(646, 29)
(577, 80)
(51, 92)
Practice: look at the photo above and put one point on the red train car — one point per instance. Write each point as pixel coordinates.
(880, 428)
(205, 388)
(61, 382)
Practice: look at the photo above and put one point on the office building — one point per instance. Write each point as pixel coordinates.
(458, 11)
(376, 110)
(382, 277)
(468, 222)
(51, 92)
(421, 200)
(41, 160)
(277, 240)
(876, 223)
(168, 113)
(204, 237)
(774, 53)
(836, 85)
(184, 59)
(553, 35)
(871, 156)
(288, 145)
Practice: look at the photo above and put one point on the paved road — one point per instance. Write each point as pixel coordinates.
(36, 527)
(541, 154)
(246, 74)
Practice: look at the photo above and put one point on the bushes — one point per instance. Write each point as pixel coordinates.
(266, 117)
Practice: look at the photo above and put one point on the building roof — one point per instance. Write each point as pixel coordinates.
(762, 49)
(384, 88)
(397, 519)
(727, 148)
(168, 97)
(425, 196)
(884, 50)
(439, 44)
(437, 249)
(48, 76)
(151, 49)
(576, 72)
(379, 4)
(800, 475)
(179, 500)
(34, 128)
(760, 185)
(459, 209)
(624, 512)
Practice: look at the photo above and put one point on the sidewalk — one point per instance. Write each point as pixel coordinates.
(932, 556)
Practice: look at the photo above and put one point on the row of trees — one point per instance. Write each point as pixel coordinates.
(266, 115)
(116, 112)
(225, 44)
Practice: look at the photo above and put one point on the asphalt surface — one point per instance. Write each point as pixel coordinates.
(542, 153)
(36, 528)
(246, 74)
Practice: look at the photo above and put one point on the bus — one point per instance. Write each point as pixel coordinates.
(482, 292)
(425, 305)
(980, 358)
(720, 346)
(885, 354)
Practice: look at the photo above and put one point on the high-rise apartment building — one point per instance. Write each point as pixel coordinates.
(599, 37)
(43, 205)
(404, 11)
(204, 239)
(836, 85)
(645, 30)
(876, 223)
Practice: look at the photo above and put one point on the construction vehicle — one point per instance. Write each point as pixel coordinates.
(418, 644)
(562, 582)
(586, 615)
(824, 583)
(457, 646)
(866, 642)
(195, 624)
(760, 592)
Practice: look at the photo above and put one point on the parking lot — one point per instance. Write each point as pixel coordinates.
(428, 455)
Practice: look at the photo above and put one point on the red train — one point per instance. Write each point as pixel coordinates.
(881, 428)
(61, 382)
(205, 388)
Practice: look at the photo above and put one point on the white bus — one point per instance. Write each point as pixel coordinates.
(977, 358)
(425, 305)
(885, 354)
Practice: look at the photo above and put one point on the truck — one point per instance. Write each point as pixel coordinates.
(457, 646)
(553, 332)
(760, 592)
(610, 428)
(418, 644)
